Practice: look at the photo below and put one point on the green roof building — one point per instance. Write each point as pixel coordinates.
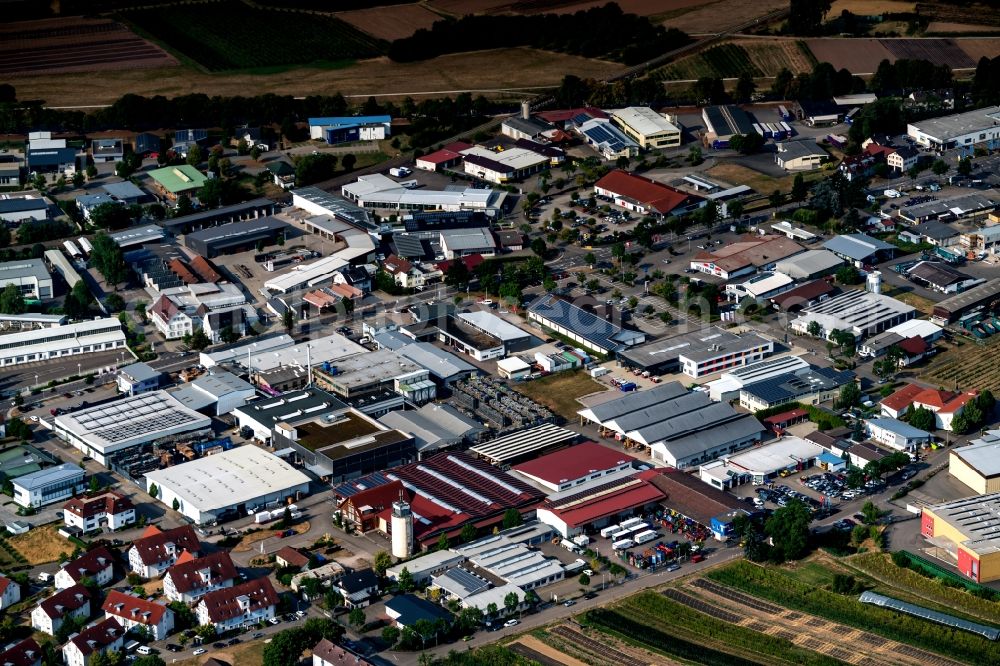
(175, 180)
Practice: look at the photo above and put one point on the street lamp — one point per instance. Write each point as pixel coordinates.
(79, 370)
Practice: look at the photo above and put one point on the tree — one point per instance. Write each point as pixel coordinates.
(110, 215)
(747, 144)
(348, 162)
(458, 274)
(776, 198)
(468, 532)
(199, 340)
(107, 257)
(443, 542)
(229, 335)
(590, 259)
(939, 168)
(510, 602)
(512, 518)
(965, 167)
(850, 395)
(814, 329)
(539, 247)
(154, 490)
(870, 513)
(584, 579)
(922, 418)
(357, 617)
(735, 209)
(183, 206)
(405, 581)
(805, 17)
(12, 300)
(78, 179)
(114, 302)
(848, 275)
(288, 319)
(390, 635)
(95, 484)
(799, 188)
(745, 87)
(381, 562)
(788, 528)
(176, 505)
(315, 168)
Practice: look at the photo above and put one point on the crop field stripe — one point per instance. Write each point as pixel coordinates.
(596, 647)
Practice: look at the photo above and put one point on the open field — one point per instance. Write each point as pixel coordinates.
(980, 47)
(937, 51)
(208, 35)
(946, 28)
(737, 174)
(640, 7)
(858, 56)
(869, 7)
(74, 44)
(249, 653)
(881, 625)
(559, 392)
(969, 366)
(480, 71)
(42, 544)
(972, 13)
(711, 17)
(770, 56)
(390, 23)
(533, 648)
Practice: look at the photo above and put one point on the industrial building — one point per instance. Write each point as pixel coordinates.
(83, 337)
(344, 129)
(381, 192)
(860, 249)
(585, 328)
(800, 155)
(747, 255)
(498, 167)
(30, 277)
(215, 393)
(574, 466)
(725, 122)
(372, 372)
(434, 426)
(861, 313)
(762, 463)
(977, 465)
(645, 196)
(728, 386)
(810, 386)
(954, 307)
(173, 181)
(445, 368)
(687, 496)
(213, 217)
(699, 353)
(809, 265)
(897, 434)
(259, 419)
(966, 533)
(458, 243)
(229, 483)
(760, 287)
(46, 486)
(320, 202)
(444, 491)
(648, 128)
(236, 237)
(128, 422)
(959, 130)
(523, 444)
(927, 331)
(23, 209)
(804, 296)
(942, 278)
(609, 141)
(677, 427)
(598, 503)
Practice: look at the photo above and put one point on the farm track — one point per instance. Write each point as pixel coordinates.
(809, 631)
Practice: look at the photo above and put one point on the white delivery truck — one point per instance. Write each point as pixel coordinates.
(609, 530)
(628, 524)
(645, 537)
(624, 544)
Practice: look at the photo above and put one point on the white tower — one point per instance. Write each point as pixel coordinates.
(526, 109)
(402, 528)
(875, 282)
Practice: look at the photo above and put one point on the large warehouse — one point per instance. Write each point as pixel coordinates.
(62, 341)
(950, 309)
(725, 122)
(971, 128)
(586, 328)
(650, 129)
(967, 533)
(860, 313)
(228, 483)
(236, 237)
(699, 353)
(30, 277)
(128, 422)
(677, 427)
(978, 464)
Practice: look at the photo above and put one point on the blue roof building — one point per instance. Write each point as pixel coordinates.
(588, 329)
(55, 484)
(342, 129)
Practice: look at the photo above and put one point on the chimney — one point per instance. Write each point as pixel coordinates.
(525, 109)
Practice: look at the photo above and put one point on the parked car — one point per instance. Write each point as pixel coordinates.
(199, 651)
(511, 623)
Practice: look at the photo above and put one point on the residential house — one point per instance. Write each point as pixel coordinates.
(156, 551)
(10, 593)
(136, 613)
(945, 405)
(409, 275)
(169, 319)
(289, 557)
(354, 276)
(10, 171)
(49, 614)
(97, 565)
(358, 588)
(92, 512)
(242, 605)
(902, 159)
(23, 653)
(327, 654)
(105, 636)
(283, 174)
(107, 150)
(934, 232)
(238, 319)
(192, 578)
(254, 136)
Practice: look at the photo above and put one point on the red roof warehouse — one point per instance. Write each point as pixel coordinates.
(565, 468)
(642, 195)
(446, 491)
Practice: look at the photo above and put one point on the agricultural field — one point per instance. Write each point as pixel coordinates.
(74, 44)
(858, 56)
(778, 588)
(937, 51)
(640, 7)
(869, 7)
(981, 47)
(946, 28)
(971, 365)
(390, 23)
(559, 392)
(208, 35)
(971, 13)
(711, 17)
(761, 183)
(752, 56)
(486, 71)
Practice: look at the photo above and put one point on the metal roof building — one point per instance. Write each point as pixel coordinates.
(727, 387)
(967, 532)
(967, 205)
(809, 264)
(128, 422)
(978, 464)
(698, 353)
(809, 385)
(859, 248)
(586, 328)
(46, 486)
(246, 210)
(498, 327)
(443, 366)
(524, 443)
(320, 202)
(861, 313)
(239, 479)
(434, 426)
(954, 307)
(149, 233)
(236, 236)
(764, 462)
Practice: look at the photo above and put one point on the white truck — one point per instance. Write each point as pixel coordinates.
(400, 172)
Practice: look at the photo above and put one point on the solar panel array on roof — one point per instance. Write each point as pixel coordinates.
(991, 633)
(408, 246)
(601, 134)
(524, 442)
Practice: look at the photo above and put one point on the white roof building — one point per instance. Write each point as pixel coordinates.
(239, 353)
(306, 275)
(379, 191)
(647, 127)
(102, 430)
(760, 286)
(728, 386)
(244, 477)
(860, 313)
(763, 462)
(62, 341)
